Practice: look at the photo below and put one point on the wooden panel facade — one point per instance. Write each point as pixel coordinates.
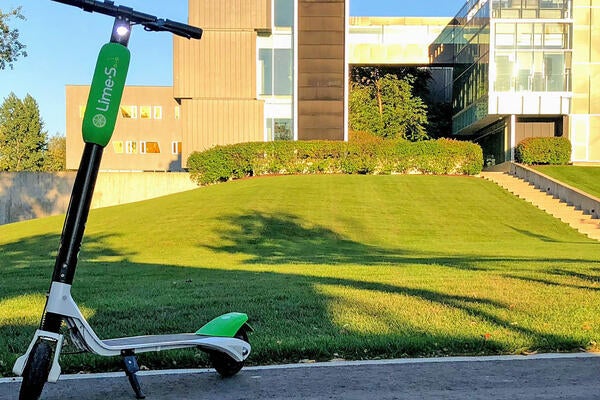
(221, 65)
(212, 122)
(321, 69)
(230, 14)
(215, 79)
(142, 141)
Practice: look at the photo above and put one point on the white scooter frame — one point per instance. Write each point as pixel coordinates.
(84, 338)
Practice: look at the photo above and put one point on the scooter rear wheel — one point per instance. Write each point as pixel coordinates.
(224, 364)
(36, 371)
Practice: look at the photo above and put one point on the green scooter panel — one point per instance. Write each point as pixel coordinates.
(226, 325)
(105, 94)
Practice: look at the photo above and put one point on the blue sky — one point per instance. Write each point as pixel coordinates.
(63, 41)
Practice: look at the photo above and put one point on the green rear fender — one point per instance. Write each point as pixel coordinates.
(227, 325)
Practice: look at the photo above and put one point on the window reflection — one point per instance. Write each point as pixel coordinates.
(284, 13)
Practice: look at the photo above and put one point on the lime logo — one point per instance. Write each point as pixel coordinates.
(99, 121)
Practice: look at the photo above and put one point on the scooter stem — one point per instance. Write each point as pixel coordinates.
(75, 221)
(77, 214)
(96, 136)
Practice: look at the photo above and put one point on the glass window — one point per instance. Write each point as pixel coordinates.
(282, 129)
(554, 65)
(149, 147)
(553, 3)
(555, 35)
(284, 13)
(118, 147)
(128, 111)
(524, 70)
(157, 112)
(276, 71)
(130, 147)
(504, 72)
(537, 36)
(145, 112)
(265, 60)
(175, 147)
(283, 71)
(505, 35)
(269, 127)
(525, 35)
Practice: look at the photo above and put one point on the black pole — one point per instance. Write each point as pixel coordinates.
(77, 214)
(74, 226)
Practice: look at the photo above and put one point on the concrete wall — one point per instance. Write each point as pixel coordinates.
(587, 203)
(28, 195)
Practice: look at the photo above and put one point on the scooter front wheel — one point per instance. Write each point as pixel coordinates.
(36, 371)
(224, 364)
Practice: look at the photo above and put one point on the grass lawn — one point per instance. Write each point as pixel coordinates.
(326, 267)
(583, 178)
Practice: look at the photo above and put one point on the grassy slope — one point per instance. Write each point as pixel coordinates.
(583, 178)
(325, 266)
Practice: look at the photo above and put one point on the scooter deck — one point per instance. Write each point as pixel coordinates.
(140, 344)
(137, 342)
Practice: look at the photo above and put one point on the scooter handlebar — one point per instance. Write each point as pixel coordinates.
(150, 22)
(177, 28)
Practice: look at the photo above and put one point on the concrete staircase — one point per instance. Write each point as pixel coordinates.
(583, 223)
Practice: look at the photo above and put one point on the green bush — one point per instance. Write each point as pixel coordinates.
(363, 156)
(544, 150)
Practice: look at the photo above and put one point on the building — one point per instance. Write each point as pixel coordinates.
(278, 70)
(244, 81)
(524, 68)
(148, 135)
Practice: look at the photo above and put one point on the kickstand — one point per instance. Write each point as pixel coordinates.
(131, 367)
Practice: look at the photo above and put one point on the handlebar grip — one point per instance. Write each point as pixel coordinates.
(181, 29)
(75, 3)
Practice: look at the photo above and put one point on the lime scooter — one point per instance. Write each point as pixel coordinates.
(225, 338)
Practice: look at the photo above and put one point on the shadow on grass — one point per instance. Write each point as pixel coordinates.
(283, 239)
(534, 235)
(292, 317)
(549, 282)
(594, 279)
(544, 238)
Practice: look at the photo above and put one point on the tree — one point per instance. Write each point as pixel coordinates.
(421, 75)
(10, 46)
(385, 106)
(55, 158)
(22, 138)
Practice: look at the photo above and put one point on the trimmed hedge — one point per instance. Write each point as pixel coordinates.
(441, 156)
(544, 150)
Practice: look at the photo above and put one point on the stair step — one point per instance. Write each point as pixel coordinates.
(548, 203)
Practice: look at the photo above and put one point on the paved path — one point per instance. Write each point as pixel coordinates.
(573, 377)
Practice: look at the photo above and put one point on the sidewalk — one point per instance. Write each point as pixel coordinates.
(550, 376)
